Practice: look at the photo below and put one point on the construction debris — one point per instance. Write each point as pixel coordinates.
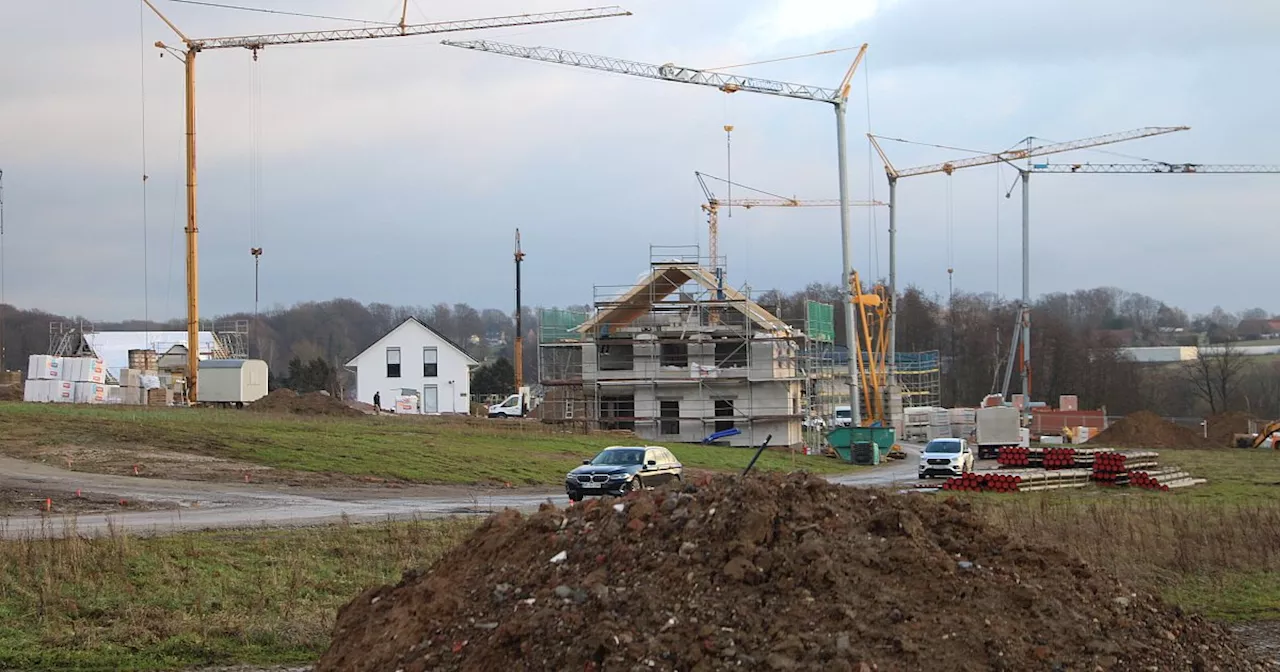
(768, 572)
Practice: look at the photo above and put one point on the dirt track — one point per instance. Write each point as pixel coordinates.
(195, 505)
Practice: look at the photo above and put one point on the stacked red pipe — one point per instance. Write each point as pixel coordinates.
(983, 483)
(1144, 480)
(1059, 458)
(1014, 456)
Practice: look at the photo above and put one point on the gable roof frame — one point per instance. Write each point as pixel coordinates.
(471, 361)
(665, 279)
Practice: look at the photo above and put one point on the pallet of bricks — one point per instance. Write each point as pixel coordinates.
(68, 380)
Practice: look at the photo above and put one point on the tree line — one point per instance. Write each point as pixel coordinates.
(1076, 341)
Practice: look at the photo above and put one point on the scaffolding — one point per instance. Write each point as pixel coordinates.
(679, 356)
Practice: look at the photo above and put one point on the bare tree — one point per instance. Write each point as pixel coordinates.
(1215, 375)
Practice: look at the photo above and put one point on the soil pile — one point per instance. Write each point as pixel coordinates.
(11, 392)
(1145, 429)
(765, 573)
(1224, 426)
(311, 403)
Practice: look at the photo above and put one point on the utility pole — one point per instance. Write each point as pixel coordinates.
(519, 344)
(255, 43)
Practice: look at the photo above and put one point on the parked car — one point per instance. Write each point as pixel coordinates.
(946, 457)
(618, 470)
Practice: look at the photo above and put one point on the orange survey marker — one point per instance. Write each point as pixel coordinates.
(135, 470)
(48, 504)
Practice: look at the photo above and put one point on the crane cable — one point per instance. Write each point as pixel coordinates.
(142, 108)
(873, 224)
(262, 10)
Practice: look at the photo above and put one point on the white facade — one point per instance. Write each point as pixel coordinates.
(414, 360)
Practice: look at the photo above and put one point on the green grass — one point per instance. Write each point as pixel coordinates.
(160, 603)
(422, 450)
(1210, 548)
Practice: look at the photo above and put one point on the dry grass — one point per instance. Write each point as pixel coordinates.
(256, 596)
(1221, 558)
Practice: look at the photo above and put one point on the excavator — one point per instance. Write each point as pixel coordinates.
(1266, 433)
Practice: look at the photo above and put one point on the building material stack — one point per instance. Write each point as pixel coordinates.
(79, 380)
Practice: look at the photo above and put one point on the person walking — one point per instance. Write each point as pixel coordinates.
(377, 402)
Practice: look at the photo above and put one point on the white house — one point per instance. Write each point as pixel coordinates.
(415, 360)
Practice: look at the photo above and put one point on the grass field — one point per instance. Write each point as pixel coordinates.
(120, 602)
(422, 450)
(1213, 548)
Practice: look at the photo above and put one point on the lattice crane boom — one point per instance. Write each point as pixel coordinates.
(1011, 155)
(1158, 168)
(668, 72)
(365, 33)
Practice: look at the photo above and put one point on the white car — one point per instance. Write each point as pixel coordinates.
(946, 457)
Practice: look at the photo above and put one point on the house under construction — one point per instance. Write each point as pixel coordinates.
(679, 356)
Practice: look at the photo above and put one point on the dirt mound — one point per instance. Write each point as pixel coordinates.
(1224, 426)
(1145, 429)
(311, 403)
(766, 573)
(11, 392)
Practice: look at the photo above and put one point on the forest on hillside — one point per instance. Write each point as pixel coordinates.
(1075, 342)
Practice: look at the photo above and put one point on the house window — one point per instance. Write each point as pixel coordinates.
(731, 354)
(618, 412)
(669, 412)
(393, 362)
(430, 365)
(615, 357)
(724, 414)
(675, 354)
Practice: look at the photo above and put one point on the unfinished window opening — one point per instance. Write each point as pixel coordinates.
(731, 354)
(393, 362)
(675, 354)
(615, 357)
(618, 412)
(430, 363)
(669, 412)
(724, 414)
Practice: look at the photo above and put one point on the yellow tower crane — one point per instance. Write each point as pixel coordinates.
(1022, 336)
(193, 46)
(713, 205)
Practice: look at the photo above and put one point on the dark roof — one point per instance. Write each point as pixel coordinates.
(422, 324)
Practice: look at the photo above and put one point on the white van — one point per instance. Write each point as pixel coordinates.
(844, 417)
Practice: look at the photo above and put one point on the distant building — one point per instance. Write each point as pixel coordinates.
(415, 360)
(1251, 330)
(113, 346)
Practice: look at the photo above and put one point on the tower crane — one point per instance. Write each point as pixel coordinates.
(1022, 337)
(713, 205)
(1153, 168)
(836, 97)
(193, 46)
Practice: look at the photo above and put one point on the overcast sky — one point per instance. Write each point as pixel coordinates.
(396, 170)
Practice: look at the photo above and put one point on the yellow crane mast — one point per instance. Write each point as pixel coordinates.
(193, 46)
